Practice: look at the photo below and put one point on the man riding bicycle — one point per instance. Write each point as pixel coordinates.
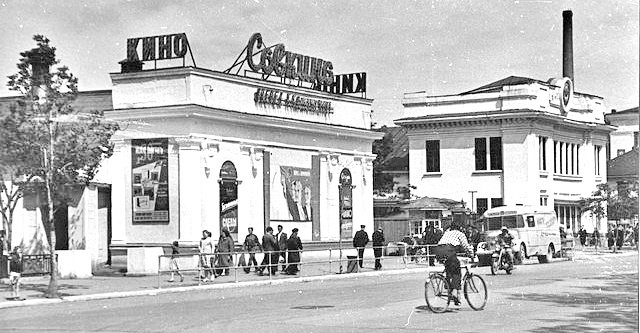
(505, 240)
(452, 242)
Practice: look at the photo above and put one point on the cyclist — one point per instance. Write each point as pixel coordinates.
(505, 239)
(452, 242)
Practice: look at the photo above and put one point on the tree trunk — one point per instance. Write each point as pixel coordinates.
(52, 291)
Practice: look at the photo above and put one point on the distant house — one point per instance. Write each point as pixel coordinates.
(622, 172)
(625, 137)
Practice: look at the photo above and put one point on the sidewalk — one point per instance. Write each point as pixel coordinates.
(111, 283)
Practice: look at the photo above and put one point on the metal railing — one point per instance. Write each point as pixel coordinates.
(36, 264)
(312, 262)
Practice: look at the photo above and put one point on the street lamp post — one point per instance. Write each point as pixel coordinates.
(472, 193)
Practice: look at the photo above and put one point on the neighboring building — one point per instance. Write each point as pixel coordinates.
(625, 137)
(622, 171)
(515, 141)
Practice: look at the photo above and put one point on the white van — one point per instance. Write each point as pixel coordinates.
(536, 231)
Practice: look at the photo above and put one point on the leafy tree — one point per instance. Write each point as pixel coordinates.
(614, 203)
(42, 136)
(382, 182)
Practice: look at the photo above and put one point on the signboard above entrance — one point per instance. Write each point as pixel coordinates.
(276, 60)
(153, 48)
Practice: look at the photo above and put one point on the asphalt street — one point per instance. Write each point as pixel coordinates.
(593, 294)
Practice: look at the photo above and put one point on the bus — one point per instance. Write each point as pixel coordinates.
(536, 232)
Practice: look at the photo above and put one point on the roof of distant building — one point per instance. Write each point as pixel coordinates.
(624, 166)
(427, 203)
(508, 81)
(85, 101)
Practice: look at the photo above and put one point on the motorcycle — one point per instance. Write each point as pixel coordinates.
(500, 259)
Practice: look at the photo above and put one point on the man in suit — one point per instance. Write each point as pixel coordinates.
(360, 240)
(281, 239)
(270, 248)
(294, 246)
(378, 243)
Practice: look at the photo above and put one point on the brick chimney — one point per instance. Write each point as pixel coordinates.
(567, 45)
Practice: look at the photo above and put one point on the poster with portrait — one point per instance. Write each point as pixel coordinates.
(150, 181)
(291, 194)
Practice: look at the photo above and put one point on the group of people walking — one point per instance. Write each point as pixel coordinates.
(217, 260)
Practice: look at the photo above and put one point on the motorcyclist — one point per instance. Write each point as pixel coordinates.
(505, 239)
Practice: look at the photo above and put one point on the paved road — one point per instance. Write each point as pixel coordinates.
(595, 294)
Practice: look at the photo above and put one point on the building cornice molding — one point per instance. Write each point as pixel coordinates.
(497, 118)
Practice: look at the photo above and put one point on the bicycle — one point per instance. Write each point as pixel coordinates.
(438, 293)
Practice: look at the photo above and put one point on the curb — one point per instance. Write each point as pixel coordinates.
(229, 285)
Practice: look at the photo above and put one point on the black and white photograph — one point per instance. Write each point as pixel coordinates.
(319, 166)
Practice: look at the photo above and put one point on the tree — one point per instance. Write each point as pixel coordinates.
(382, 182)
(614, 203)
(42, 136)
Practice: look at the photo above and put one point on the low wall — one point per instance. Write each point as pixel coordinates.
(74, 264)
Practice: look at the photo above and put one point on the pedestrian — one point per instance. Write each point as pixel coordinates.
(378, 242)
(474, 236)
(271, 253)
(294, 246)
(252, 245)
(596, 237)
(225, 252)
(431, 240)
(206, 256)
(360, 240)
(15, 271)
(281, 239)
(410, 245)
(610, 238)
(583, 236)
(620, 237)
(173, 262)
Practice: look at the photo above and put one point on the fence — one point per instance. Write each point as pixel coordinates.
(36, 264)
(313, 262)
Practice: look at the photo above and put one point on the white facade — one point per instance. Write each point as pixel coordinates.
(625, 137)
(531, 150)
(210, 118)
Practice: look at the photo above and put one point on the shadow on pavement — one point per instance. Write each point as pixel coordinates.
(610, 308)
(41, 289)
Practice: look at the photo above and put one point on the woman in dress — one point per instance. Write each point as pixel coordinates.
(206, 255)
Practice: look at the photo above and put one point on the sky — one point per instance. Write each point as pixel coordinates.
(441, 47)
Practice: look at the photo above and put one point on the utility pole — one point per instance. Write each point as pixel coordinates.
(472, 193)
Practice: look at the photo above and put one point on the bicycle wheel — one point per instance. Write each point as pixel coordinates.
(475, 291)
(436, 293)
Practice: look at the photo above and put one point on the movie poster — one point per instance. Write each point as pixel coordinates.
(346, 205)
(150, 181)
(292, 193)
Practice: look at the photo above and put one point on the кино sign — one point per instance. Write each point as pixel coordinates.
(157, 47)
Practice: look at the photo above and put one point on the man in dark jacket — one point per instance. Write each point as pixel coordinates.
(360, 240)
(294, 246)
(281, 239)
(271, 254)
(378, 243)
(433, 237)
(252, 245)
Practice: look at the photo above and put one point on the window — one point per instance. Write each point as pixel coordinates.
(433, 155)
(417, 227)
(555, 157)
(495, 150)
(495, 153)
(542, 153)
(482, 204)
(481, 154)
(496, 202)
(596, 155)
(531, 222)
(544, 200)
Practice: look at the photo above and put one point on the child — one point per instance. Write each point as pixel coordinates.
(15, 268)
(173, 263)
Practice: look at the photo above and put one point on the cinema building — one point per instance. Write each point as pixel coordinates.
(277, 139)
(515, 141)
(204, 149)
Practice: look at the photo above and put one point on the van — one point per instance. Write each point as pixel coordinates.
(536, 232)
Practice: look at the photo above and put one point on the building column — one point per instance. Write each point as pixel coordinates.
(192, 170)
(120, 191)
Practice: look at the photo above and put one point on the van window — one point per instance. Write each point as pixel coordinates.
(510, 221)
(531, 222)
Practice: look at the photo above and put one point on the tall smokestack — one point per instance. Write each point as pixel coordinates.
(567, 45)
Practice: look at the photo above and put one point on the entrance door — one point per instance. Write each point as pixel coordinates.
(229, 198)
